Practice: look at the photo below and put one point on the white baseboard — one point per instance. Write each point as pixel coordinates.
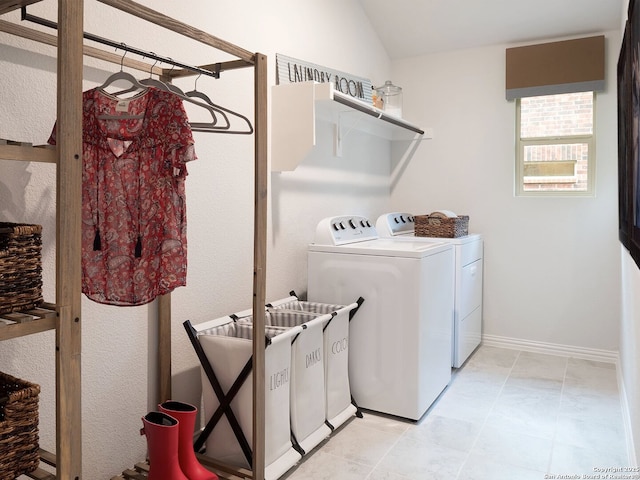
(626, 419)
(607, 356)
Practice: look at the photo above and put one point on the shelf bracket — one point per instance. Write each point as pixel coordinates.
(339, 136)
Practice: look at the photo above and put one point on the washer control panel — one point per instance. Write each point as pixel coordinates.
(344, 229)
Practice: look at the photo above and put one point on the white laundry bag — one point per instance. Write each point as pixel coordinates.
(227, 345)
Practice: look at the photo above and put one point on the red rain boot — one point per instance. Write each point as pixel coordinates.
(186, 416)
(161, 431)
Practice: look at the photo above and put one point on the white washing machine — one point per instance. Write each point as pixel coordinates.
(400, 340)
(467, 318)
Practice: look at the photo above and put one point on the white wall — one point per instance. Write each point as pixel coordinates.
(118, 343)
(552, 269)
(630, 343)
(630, 331)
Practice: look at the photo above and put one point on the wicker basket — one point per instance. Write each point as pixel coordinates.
(18, 427)
(443, 227)
(20, 266)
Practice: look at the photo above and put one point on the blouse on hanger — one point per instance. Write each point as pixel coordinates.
(134, 224)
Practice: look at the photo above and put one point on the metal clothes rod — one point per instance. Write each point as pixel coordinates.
(122, 46)
(381, 115)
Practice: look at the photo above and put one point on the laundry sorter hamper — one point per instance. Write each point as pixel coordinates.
(224, 347)
(339, 405)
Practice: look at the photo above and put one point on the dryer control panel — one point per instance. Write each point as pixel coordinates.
(344, 229)
(396, 223)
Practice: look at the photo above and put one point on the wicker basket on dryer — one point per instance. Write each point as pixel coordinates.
(439, 225)
(20, 266)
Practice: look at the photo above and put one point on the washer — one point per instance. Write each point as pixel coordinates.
(467, 318)
(400, 340)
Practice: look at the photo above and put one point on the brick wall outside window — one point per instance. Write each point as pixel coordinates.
(549, 117)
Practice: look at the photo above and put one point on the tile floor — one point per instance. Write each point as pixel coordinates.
(506, 415)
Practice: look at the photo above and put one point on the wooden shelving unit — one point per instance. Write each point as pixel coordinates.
(65, 315)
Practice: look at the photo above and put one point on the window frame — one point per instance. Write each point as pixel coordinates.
(521, 144)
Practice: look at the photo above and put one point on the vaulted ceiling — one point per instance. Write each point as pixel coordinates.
(410, 28)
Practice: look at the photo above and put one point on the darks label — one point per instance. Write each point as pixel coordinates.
(313, 357)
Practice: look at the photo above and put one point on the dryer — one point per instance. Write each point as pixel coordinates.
(467, 318)
(400, 341)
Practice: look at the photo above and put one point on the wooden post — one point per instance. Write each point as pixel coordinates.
(164, 348)
(68, 241)
(259, 262)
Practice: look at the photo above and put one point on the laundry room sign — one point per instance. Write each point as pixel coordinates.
(292, 70)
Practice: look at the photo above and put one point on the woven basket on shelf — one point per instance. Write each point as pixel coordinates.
(443, 227)
(20, 266)
(18, 427)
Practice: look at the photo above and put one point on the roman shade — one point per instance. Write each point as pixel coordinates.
(556, 67)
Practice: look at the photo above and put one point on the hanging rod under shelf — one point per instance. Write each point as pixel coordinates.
(357, 105)
(215, 72)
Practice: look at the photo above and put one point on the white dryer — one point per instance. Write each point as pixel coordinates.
(400, 341)
(467, 318)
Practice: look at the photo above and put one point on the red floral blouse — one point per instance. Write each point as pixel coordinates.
(134, 224)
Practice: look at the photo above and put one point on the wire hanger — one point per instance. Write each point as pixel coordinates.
(147, 82)
(152, 82)
(169, 87)
(215, 110)
(122, 75)
(173, 88)
(198, 127)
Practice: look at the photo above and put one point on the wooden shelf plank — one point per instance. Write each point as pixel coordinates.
(28, 322)
(48, 457)
(27, 153)
(9, 5)
(40, 474)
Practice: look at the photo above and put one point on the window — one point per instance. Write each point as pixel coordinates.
(555, 144)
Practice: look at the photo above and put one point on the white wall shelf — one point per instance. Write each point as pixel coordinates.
(295, 108)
